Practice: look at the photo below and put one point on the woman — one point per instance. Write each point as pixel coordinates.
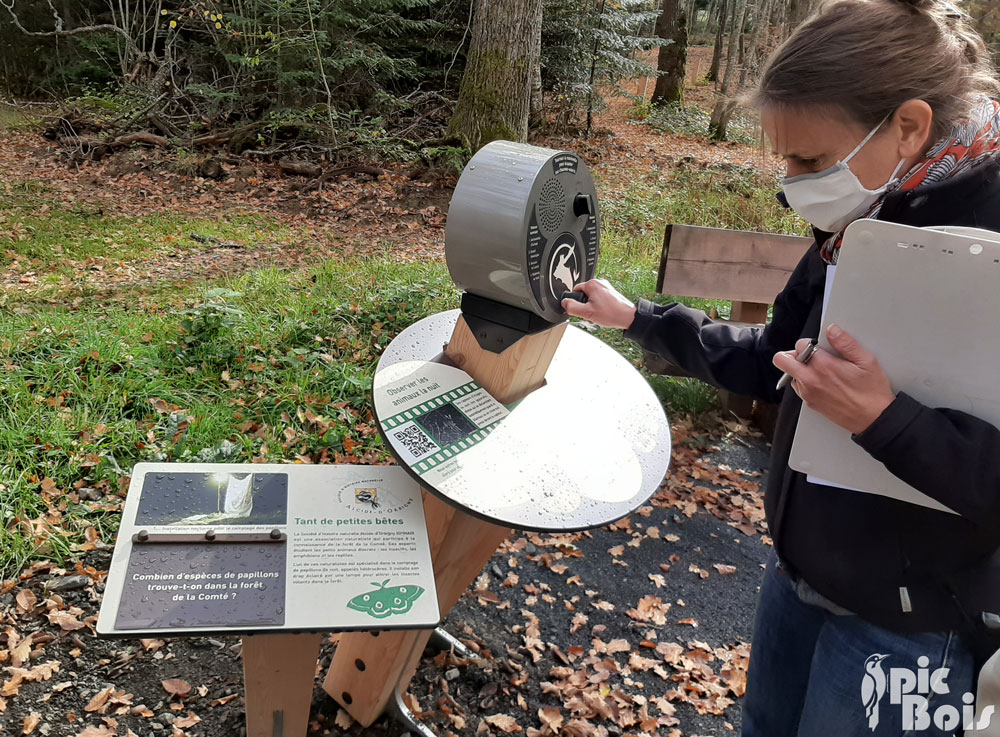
(880, 109)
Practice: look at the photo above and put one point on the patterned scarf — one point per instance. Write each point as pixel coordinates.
(973, 141)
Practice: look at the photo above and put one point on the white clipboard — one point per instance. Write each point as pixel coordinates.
(926, 302)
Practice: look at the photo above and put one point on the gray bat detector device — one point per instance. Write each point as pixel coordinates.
(523, 230)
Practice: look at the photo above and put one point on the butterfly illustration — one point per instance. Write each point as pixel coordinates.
(385, 602)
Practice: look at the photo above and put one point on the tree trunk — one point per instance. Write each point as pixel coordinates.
(494, 98)
(798, 11)
(672, 60)
(725, 104)
(536, 115)
(720, 34)
(756, 45)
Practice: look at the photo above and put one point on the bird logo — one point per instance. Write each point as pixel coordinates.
(873, 688)
(564, 270)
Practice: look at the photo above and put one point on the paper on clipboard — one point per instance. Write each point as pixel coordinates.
(896, 280)
(831, 272)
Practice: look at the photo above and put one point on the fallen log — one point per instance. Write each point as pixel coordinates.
(147, 139)
(300, 168)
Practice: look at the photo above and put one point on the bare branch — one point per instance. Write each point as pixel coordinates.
(60, 31)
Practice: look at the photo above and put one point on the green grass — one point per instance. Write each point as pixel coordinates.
(692, 120)
(632, 241)
(18, 119)
(269, 365)
(732, 196)
(227, 377)
(44, 235)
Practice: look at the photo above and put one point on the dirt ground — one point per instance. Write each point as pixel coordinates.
(402, 211)
(641, 627)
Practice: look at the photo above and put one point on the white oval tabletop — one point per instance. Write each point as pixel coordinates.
(586, 449)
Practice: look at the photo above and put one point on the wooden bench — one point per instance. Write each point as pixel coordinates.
(745, 268)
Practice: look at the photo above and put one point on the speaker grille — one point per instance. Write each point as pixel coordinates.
(551, 205)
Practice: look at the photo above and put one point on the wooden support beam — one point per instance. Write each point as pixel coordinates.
(510, 375)
(461, 545)
(279, 671)
(368, 667)
(386, 658)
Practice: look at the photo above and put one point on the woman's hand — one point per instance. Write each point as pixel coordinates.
(604, 305)
(851, 391)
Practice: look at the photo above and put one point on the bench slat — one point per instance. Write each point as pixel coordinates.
(715, 263)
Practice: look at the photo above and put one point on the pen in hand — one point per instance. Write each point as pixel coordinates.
(802, 357)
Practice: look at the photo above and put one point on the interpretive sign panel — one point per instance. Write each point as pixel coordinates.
(259, 548)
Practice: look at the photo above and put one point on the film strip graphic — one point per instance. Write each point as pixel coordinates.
(414, 414)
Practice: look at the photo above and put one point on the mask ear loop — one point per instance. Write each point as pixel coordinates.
(893, 179)
(868, 138)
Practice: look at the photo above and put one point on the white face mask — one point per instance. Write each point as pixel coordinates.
(832, 199)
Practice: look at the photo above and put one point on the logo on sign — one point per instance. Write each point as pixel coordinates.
(367, 496)
(371, 497)
(565, 271)
(913, 692)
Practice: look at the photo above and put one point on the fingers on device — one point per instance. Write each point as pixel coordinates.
(523, 230)
(576, 296)
(803, 357)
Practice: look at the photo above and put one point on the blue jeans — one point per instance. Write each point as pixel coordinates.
(808, 671)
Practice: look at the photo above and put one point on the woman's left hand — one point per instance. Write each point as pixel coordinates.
(851, 391)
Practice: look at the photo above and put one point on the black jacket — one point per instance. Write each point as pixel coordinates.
(859, 549)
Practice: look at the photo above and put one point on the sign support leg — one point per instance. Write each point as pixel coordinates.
(461, 544)
(278, 673)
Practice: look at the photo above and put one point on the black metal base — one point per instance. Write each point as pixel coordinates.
(498, 326)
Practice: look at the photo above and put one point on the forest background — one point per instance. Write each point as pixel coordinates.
(359, 79)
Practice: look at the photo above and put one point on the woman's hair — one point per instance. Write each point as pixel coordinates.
(868, 57)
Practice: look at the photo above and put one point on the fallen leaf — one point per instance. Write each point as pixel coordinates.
(30, 722)
(99, 731)
(343, 720)
(65, 621)
(551, 717)
(503, 722)
(26, 600)
(20, 654)
(184, 722)
(176, 687)
(99, 701)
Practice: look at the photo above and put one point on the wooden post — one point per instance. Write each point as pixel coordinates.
(752, 312)
(510, 375)
(460, 543)
(279, 672)
(748, 312)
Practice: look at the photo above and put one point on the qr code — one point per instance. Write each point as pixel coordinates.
(415, 441)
